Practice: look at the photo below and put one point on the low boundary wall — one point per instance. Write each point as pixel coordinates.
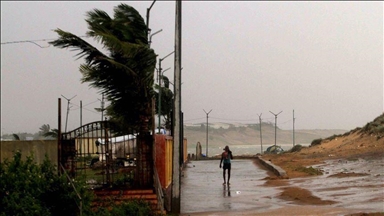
(274, 168)
(39, 148)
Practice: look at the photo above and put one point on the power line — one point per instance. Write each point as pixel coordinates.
(85, 105)
(232, 120)
(33, 42)
(239, 120)
(193, 119)
(78, 107)
(25, 41)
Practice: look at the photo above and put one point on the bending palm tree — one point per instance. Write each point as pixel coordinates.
(124, 73)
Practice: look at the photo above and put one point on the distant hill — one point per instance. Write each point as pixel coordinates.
(221, 134)
(374, 128)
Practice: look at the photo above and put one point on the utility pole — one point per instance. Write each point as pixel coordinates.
(293, 127)
(160, 76)
(177, 118)
(206, 143)
(261, 136)
(66, 121)
(81, 124)
(102, 106)
(81, 113)
(275, 124)
(59, 136)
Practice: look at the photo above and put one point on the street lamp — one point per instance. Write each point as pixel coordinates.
(206, 144)
(66, 121)
(150, 37)
(275, 124)
(147, 23)
(159, 102)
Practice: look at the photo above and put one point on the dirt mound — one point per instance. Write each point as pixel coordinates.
(350, 147)
(366, 144)
(303, 197)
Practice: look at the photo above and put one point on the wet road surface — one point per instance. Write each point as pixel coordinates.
(360, 187)
(202, 189)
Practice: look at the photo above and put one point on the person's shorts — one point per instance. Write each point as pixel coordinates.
(227, 166)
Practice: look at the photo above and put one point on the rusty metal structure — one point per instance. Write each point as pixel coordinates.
(95, 151)
(110, 161)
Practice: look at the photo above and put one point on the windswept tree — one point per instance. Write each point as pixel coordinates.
(45, 128)
(16, 137)
(124, 72)
(166, 101)
(53, 133)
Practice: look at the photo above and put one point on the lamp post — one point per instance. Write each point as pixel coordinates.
(159, 102)
(275, 124)
(206, 144)
(149, 9)
(66, 121)
(150, 37)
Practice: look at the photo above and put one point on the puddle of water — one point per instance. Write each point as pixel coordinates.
(358, 192)
(202, 189)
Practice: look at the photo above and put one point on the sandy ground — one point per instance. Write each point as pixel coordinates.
(367, 150)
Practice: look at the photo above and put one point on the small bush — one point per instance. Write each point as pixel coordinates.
(28, 188)
(380, 129)
(136, 207)
(296, 148)
(333, 137)
(316, 142)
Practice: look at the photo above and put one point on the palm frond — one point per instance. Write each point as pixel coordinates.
(69, 40)
(126, 73)
(16, 137)
(127, 15)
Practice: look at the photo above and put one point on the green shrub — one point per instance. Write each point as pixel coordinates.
(135, 207)
(27, 188)
(316, 142)
(296, 148)
(380, 129)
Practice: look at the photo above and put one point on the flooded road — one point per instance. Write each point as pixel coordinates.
(355, 184)
(362, 190)
(202, 189)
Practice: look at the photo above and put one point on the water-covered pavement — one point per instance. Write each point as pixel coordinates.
(357, 184)
(202, 189)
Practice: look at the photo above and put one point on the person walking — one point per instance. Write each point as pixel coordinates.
(226, 157)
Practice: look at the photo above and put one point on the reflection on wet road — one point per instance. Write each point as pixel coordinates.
(360, 187)
(202, 188)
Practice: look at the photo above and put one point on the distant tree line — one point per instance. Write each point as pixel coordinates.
(45, 133)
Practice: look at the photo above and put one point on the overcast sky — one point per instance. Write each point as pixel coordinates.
(324, 60)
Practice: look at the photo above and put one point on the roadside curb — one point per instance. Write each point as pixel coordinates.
(274, 168)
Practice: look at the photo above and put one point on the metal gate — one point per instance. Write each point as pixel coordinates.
(96, 152)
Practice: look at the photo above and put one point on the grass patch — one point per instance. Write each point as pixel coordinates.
(296, 148)
(308, 170)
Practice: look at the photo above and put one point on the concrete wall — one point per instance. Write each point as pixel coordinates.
(185, 151)
(164, 163)
(39, 148)
(274, 168)
(163, 159)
